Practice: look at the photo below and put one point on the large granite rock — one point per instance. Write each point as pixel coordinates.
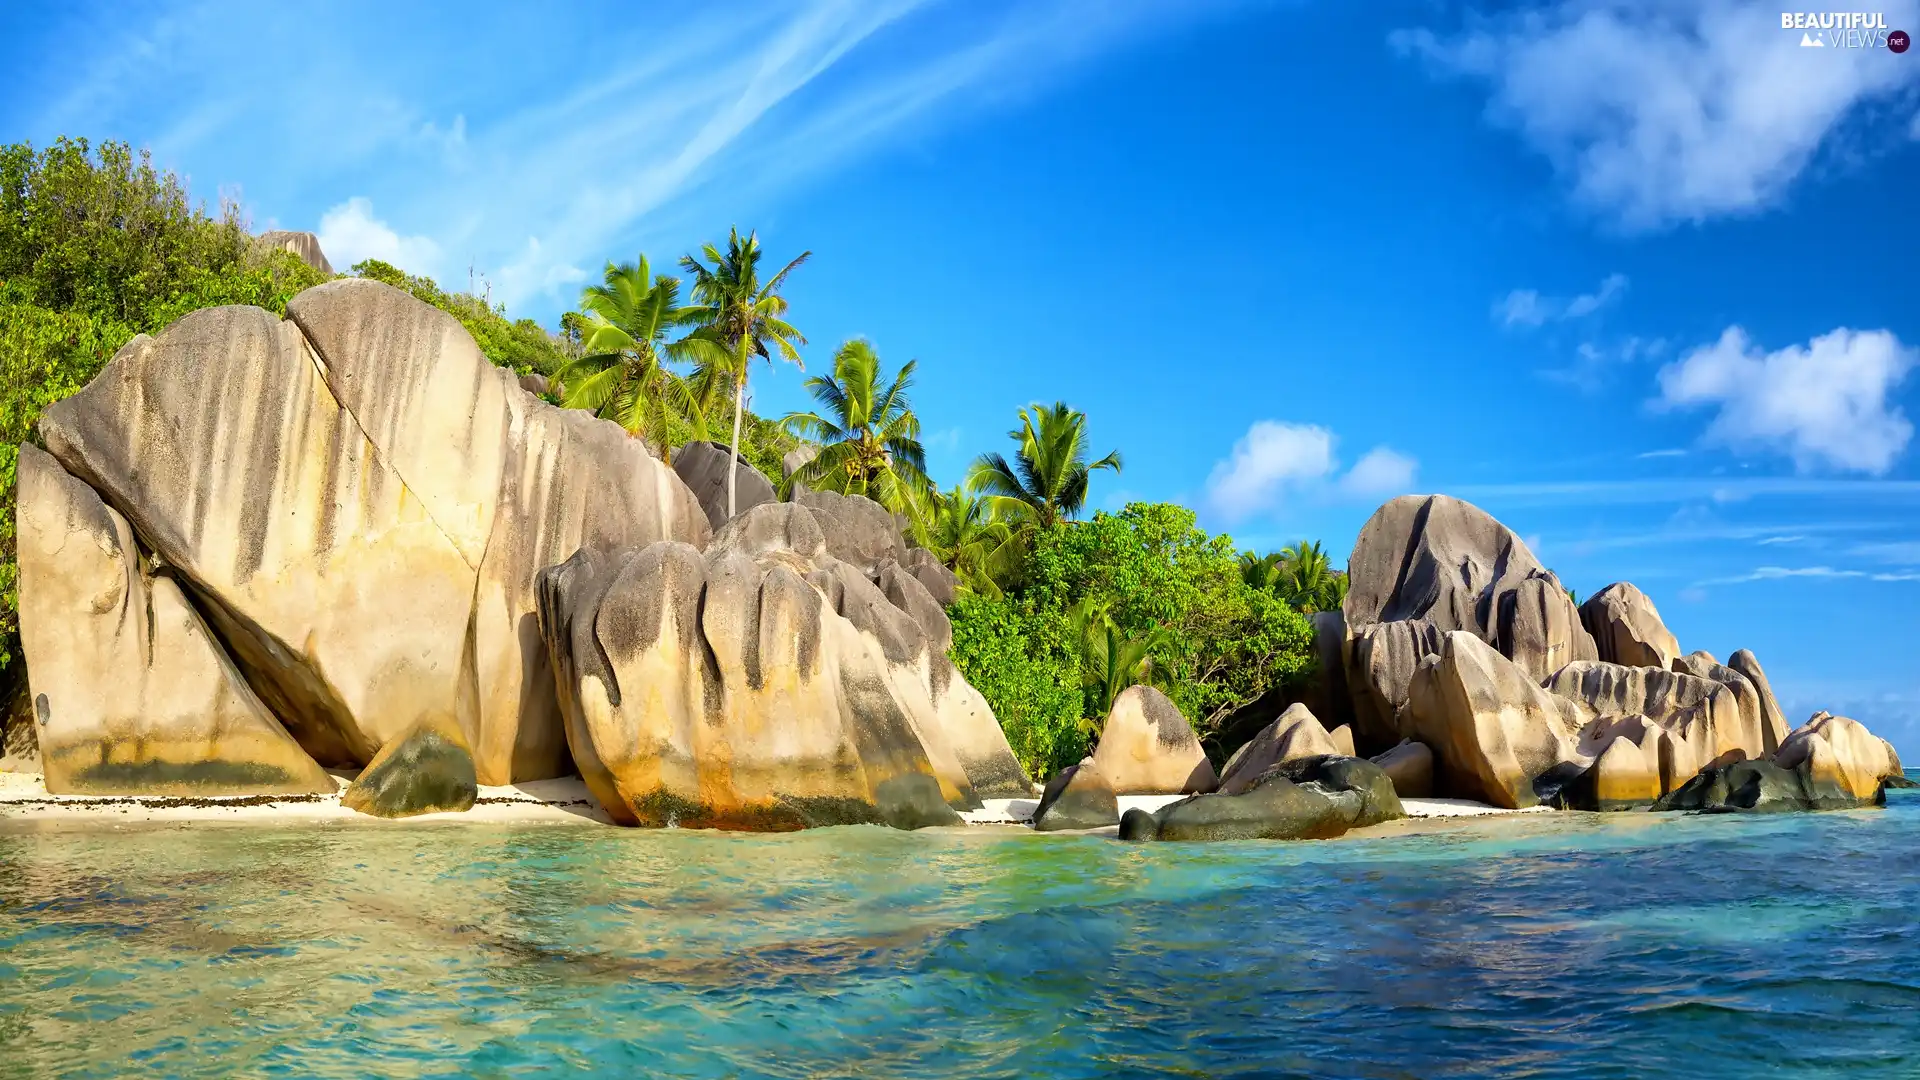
(859, 531)
(1294, 735)
(1425, 566)
(763, 684)
(1625, 775)
(1840, 762)
(132, 693)
(1495, 735)
(1626, 628)
(1767, 728)
(357, 501)
(1078, 797)
(1147, 748)
(1687, 721)
(703, 467)
(303, 245)
(941, 583)
(1748, 665)
(1310, 798)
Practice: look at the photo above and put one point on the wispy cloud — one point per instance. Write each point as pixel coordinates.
(1668, 453)
(1790, 573)
(1527, 308)
(537, 143)
(1667, 113)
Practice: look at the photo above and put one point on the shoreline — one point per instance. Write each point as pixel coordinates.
(24, 800)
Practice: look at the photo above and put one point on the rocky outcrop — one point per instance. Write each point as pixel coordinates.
(1410, 767)
(1311, 798)
(941, 583)
(357, 502)
(535, 383)
(1748, 665)
(1296, 734)
(859, 531)
(763, 684)
(1079, 797)
(1425, 566)
(1839, 761)
(427, 769)
(1755, 717)
(132, 692)
(1147, 748)
(1688, 722)
(1494, 733)
(793, 461)
(303, 245)
(1627, 629)
(703, 467)
(1625, 775)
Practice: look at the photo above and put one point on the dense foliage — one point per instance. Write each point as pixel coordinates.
(95, 247)
(1211, 641)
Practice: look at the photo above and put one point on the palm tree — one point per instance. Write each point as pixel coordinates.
(1110, 660)
(1262, 572)
(1047, 479)
(740, 318)
(959, 528)
(621, 374)
(869, 437)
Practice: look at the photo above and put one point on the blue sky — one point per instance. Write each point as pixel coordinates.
(1642, 279)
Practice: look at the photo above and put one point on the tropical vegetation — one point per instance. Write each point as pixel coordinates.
(1056, 613)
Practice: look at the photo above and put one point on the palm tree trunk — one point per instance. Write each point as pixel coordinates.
(733, 474)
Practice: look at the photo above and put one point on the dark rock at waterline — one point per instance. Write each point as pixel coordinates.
(1078, 797)
(1306, 799)
(427, 769)
(1762, 787)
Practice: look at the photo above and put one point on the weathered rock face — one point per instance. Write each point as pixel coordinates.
(703, 467)
(1311, 798)
(859, 531)
(1147, 748)
(1079, 797)
(1424, 566)
(1494, 734)
(1627, 629)
(794, 460)
(1686, 721)
(1625, 775)
(762, 685)
(1748, 665)
(1754, 716)
(427, 769)
(305, 245)
(1840, 762)
(1410, 767)
(1296, 734)
(941, 583)
(132, 693)
(361, 465)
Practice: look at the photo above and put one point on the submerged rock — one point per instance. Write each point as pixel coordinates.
(132, 692)
(1147, 748)
(1078, 797)
(1306, 799)
(427, 769)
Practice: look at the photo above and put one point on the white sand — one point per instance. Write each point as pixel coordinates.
(1425, 808)
(24, 797)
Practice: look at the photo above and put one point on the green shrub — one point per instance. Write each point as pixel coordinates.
(1021, 664)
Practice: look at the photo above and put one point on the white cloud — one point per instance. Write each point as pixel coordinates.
(1913, 129)
(1594, 364)
(1274, 459)
(1824, 405)
(1662, 113)
(1527, 308)
(1766, 540)
(1794, 573)
(349, 233)
(1381, 471)
(1650, 454)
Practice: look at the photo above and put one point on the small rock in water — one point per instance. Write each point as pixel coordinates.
(427, 769)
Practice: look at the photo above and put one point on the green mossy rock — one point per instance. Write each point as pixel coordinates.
(427, 769)
(1309, 799)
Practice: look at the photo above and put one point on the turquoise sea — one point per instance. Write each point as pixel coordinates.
(1626, 945)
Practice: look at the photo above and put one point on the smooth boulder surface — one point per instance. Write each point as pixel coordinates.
(1493, 732)
(1147, 748)
(1448, 563)
(1748, 665)
(1079, 797)
(941, 583)
(763, 684)
(1624, 776)
(859, 531)
(1754, 716)
(1841, 762)
(1295, 734)
(427, 769)
(1699, 721)
(1627, 628)
(1410, 768)
(703, 467)
(132, 693)
(1382, 660)
(303, 245)
(357, 465)
(1311, 798)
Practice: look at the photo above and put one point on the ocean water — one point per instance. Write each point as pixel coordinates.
(1626, 945)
